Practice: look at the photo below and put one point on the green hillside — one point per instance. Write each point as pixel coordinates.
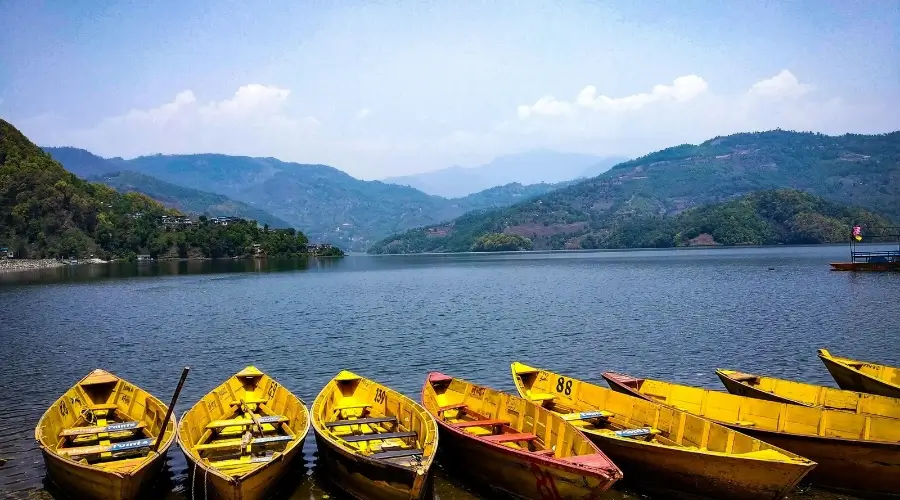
(862, 170)
(110, 171)
(46, 211)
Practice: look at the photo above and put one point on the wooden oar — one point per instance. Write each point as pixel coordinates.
(165, 422)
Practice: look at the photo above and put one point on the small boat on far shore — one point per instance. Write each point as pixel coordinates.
(862, 376)
(514, 446)
(799, 393)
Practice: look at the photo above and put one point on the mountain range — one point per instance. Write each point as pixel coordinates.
(531, 167)
(323, 202)
(861, 170)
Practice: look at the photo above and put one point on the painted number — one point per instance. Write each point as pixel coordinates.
(272, 388)
(477, 391)
(564, 386)
(380, 395)
(63, 409)
(546, 487)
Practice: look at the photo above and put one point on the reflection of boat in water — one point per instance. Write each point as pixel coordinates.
(878, 260)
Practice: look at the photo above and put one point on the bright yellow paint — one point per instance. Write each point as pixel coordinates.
(862, 376)
(240, 438)
(75, 447)
(853, 452)
(678, 451)
(514, 445)
(790, 391)
(357, 466)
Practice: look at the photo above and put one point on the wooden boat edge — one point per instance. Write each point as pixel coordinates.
(551, 462)
(293, 447)
(426, 465)
(753, 390)
(838, 361)
(158, 454)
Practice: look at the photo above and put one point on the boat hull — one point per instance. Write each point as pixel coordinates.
(674, 471)
(86, 482)
(853, 380)
(370, 479)
(260, 485)
(865, 266)
(511, 474)
(871, 468)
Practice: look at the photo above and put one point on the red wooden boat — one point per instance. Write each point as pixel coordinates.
(872, 260)
(513, 445)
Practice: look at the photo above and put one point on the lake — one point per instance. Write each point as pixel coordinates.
(668, 314)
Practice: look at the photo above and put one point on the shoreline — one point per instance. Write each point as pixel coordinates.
(23, 265)
(19, 265)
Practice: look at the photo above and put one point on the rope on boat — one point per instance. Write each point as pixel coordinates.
(193, 480)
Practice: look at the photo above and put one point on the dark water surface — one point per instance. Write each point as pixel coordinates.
(674, 315)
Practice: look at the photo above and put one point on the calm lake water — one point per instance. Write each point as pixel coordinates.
(675, 314)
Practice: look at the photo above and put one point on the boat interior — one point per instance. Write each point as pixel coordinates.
(243, 424)
(106, 422)
(763, 415)
(365, 417)
(598, 410)
(507, 420)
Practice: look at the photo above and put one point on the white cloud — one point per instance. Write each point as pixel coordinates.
(363, 114)
(684, 88)
(782, 85)
(546, 106)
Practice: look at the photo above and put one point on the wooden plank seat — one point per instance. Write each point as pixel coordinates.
(511, 437)
(103, 407)
(373, 437)
(397, 454)
(743, 377)
(638, 432)
(106, 448)
(237, 462)
(250, 401)
(479, 423)
(352, 406)
(227, 444)
(244, 422)
(97, 429)
(457, 406)
(587, 415)
(361, 421)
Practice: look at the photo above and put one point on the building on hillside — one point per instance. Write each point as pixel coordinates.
(6, 253)
(224, 221)
(144, 257)
(172, 221)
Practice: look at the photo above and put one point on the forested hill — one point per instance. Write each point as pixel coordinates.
(862, 170)
(46, 211)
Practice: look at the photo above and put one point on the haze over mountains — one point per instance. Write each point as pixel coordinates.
(323, 202)
(531, 167)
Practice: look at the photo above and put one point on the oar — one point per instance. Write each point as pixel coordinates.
(165, 422)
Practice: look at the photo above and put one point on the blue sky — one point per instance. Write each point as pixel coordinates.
(391, 88)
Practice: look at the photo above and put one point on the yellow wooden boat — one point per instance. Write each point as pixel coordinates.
(862, 376)
(374, 442)
(240, 439)
(799, 393)
(854, 452)
(97, 438)
(513, 445)
(665, 449)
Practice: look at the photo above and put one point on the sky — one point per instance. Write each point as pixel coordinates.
(392, 88)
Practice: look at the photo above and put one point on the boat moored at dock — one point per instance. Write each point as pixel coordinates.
(862, 376)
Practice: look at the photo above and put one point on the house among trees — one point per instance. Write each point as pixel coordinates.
(6, 253)
(224, 221)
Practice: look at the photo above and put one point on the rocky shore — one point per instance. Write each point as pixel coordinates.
(10, 265)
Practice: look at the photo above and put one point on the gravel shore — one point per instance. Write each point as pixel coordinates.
(10, 265)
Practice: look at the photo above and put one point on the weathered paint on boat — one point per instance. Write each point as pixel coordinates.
(682, 453)
(862, 376)
(513, 445)
(395, 467)
(866, 266)
(260, 412)
(859, 453)
(799, 393)
(107, 467)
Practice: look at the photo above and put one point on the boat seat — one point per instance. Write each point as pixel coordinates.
(587, 415)
(361, 421)
(237, 462)
(546, 453)
(244, 422)
(373, 437)
(250, 401)
(117, 427)
(397, 454)
(746, 423)
(541, 396)
(743, 377)
(638, 432)
(103, 407)
(457, 406)
(106, 448)
(226, 444)
(511, 437)
(479, 423)
(353, 406)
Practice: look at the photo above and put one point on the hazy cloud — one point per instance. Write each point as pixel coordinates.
(782, 85)
(363, 114)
